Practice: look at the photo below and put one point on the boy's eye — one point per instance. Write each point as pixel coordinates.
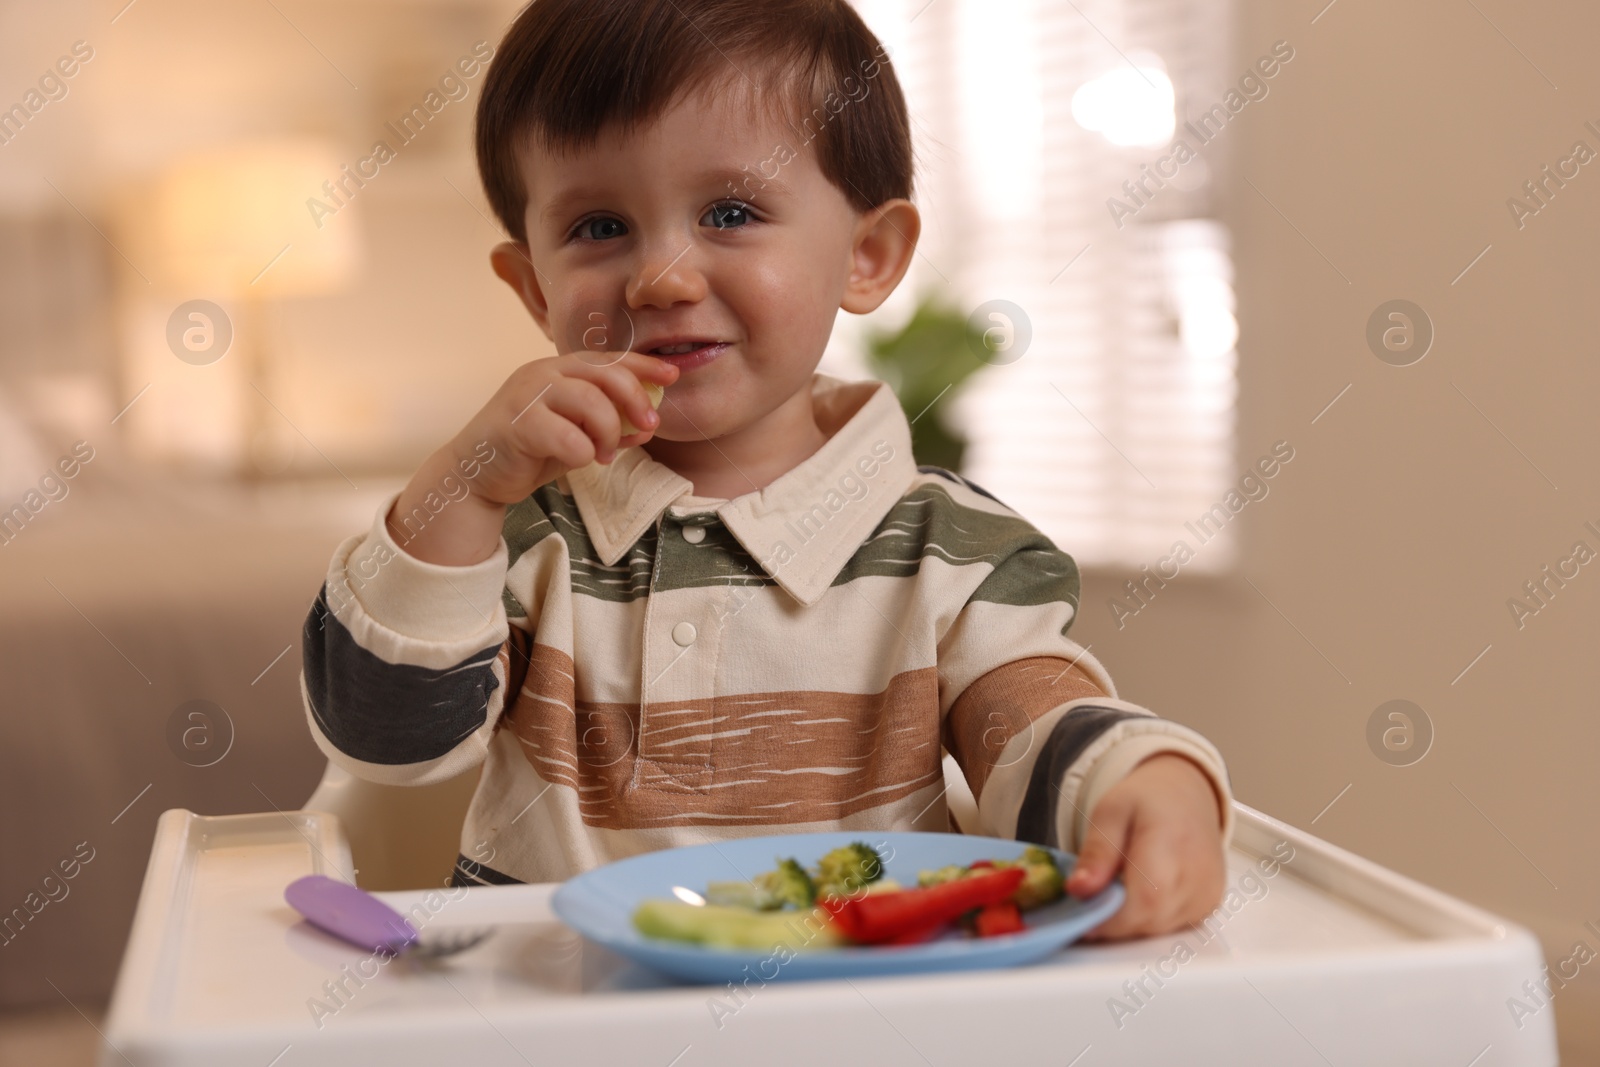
(599, 229)
(727, 215)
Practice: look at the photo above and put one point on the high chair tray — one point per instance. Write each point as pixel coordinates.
(1315, 957)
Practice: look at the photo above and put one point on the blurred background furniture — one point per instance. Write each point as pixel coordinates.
(124, 602)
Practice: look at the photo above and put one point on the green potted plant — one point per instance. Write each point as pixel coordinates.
(925, 362)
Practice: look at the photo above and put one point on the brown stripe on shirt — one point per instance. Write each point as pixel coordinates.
(749, 759)
(1006, 702)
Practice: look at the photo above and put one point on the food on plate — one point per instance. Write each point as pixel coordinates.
(1041, 883)
(788, 886)
(913, 915)
(730, 926)
(846, 900)
(846, 870)
(655, 393)
(996, 919)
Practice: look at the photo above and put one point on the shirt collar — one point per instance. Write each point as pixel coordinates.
(801, 529)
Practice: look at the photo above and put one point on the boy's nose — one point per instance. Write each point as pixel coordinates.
(666, 275)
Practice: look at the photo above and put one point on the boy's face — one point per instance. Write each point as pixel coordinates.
(641, 237)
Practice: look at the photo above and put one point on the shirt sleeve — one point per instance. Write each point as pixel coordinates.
(405, 664)
(1033, 719)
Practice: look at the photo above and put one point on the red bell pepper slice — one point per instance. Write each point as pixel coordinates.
(916, 935)
(1002, 918)
(874, 918)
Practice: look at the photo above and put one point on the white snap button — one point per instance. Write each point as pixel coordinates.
(684, 634)
(694, 534)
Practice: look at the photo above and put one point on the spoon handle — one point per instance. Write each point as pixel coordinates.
(350, 913)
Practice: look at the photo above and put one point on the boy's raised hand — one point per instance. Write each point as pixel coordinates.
(555, 414)
(550, 416)
(1161, 829)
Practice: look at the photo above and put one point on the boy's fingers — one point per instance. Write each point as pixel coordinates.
(622, 382)
(1158, 892)
(584, 406)
(557, 437)
(652, 368)
(1101, 855)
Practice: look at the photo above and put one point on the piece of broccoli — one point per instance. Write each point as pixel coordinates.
(732, 927)
(788, 886)
(941, 875)
(1041, 881)
(845, 870)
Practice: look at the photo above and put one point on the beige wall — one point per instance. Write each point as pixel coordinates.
(1406, 520)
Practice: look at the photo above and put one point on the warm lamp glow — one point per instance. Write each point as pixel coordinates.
(234, 222)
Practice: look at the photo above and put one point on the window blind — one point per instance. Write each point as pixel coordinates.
(1116, 425)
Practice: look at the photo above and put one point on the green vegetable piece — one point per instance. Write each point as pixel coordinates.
(844, 871)
(748, 895)
(788, 886)
(1042, 880)
(941, 875)
(730, 927)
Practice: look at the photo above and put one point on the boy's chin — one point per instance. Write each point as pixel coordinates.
(680, 431)
(672, 438)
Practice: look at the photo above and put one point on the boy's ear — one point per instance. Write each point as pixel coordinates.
(510, 261)
(885, 240)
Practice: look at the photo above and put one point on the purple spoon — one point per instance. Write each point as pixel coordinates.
(354, 915)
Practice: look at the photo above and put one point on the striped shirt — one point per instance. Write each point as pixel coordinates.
(637, 667)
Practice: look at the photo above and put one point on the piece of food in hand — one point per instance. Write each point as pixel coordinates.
(876, 918)
(847, 870)
(731, 927)
(788, 886)
(655, 393)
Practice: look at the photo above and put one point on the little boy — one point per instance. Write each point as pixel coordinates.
(751, 612)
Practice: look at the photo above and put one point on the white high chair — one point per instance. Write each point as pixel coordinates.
(408, 837)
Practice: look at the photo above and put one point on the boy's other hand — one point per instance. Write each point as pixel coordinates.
(1160, 827)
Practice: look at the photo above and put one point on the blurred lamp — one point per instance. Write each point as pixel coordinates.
(233, 225)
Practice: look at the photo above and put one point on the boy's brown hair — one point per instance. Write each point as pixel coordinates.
(569, 68)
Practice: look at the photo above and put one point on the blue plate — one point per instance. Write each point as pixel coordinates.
(599, 904)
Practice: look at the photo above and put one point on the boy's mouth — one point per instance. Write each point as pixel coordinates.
(688, 354)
